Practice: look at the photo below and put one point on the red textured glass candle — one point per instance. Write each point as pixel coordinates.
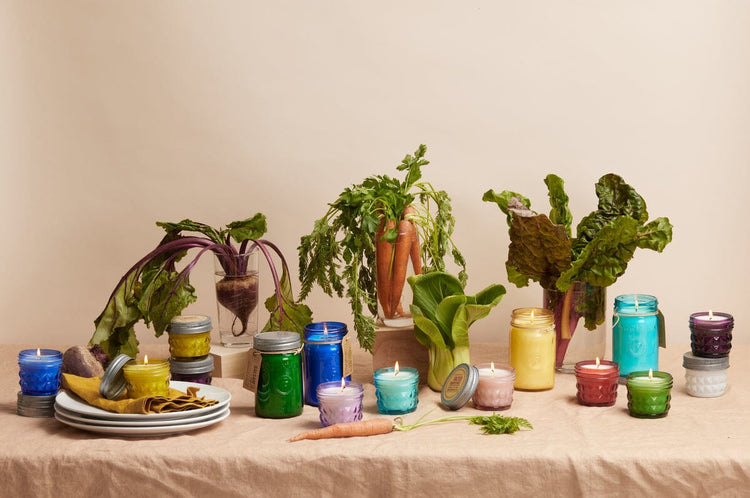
(596, 382)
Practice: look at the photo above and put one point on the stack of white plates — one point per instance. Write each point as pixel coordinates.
(71, 410)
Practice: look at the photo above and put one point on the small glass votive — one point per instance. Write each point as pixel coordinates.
(597, 382)
(339, 402)
(146, 377)
(39, 371)
(189, 337)
(649, 394)
(199, 371)
(705, 377)
(711, 334)
(396, 389)
(495, 387)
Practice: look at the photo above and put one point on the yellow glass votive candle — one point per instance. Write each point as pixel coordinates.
(146, 377)
(532, 348)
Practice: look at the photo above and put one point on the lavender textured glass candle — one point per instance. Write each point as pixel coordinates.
(39, 371)
(596, 382)
(340, 402)
(711, 334)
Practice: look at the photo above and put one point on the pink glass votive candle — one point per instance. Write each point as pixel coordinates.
(339, 402)
(596, 382)
(495, 387)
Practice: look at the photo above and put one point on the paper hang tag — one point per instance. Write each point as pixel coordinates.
(662, 329)
(255, 358)
(346, 357)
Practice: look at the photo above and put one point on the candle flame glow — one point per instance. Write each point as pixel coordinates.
(636, 303)
(343, 384)
(650, 374)
(532, 316)
(597, 362)
(325, 328)
(145, 359)
(38, 352)
(710, 315)
(492, 368)
(395, 369)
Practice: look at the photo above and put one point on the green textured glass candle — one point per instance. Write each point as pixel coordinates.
(279, 393)
(649, 394)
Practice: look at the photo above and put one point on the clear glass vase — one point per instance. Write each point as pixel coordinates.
(237, 297)
(580, 332)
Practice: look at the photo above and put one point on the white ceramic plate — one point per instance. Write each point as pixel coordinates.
(142, 431)
(81, 419)
(72, 403)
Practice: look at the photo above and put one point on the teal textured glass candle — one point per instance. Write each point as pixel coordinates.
(649, 394)
(39, 371)
(396, 389)
(279, 393)
(636, 333)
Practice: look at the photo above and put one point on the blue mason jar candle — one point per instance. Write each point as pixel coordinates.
(637, 333)
(39, 371)
(322, 356)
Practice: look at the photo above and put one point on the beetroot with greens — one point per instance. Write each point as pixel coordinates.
(155, 291)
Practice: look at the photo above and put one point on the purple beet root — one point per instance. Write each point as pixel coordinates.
(239, 295)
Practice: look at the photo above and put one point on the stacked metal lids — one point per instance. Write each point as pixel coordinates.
(36, 406)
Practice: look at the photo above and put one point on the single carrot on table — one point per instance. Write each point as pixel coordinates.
(349, 429)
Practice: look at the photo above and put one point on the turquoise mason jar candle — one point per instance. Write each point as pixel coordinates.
(396, 389)
(637, 333)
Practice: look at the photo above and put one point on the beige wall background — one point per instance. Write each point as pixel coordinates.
(114, 115)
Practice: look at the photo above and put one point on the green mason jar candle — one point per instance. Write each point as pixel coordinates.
(279, 393)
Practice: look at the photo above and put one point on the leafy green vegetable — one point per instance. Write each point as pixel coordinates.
(491, 424)
(442, 317)
(153, 290)
(339, 254)
(541, 247)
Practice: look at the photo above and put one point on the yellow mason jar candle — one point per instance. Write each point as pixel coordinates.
(532, 348)
(189, 337)
(146, 377)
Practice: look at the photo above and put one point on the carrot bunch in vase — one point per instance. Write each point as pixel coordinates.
(362, 246)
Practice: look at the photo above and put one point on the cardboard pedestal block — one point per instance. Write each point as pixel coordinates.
(399, 344)
(229, 362)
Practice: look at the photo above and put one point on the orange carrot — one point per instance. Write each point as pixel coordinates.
(401, 251)
(349, 429)
(383, 257)
(416, 257)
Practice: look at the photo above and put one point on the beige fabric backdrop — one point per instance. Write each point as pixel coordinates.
(116, 114)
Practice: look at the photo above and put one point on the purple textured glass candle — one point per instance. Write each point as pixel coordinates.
(711, 334)
(596, 382)
(339, 402)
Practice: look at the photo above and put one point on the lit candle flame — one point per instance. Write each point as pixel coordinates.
(343, 384)
(395, 369)
(597, 362)
(650, 374)
(325, 328)
(532, 316)
(636, 303)
(710, 315)
(38, 352)
(492, 368)
(145, 359)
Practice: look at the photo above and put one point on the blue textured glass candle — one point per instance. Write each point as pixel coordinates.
(322, 356)
(636, 333)
(39, 371)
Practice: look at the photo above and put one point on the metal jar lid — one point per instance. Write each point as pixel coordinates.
(189, 324)
(459, 386)
(276, 341)
(692, 362)
(112, 384)
(206, 365)
(36, 406)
